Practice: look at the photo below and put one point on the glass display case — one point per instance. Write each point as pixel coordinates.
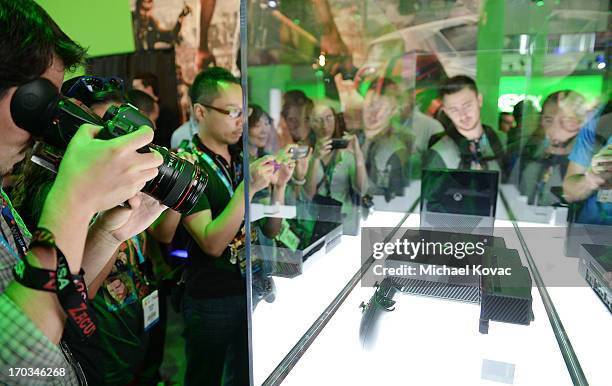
(481, 129)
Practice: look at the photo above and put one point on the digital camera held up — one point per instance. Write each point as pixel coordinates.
(39, 108)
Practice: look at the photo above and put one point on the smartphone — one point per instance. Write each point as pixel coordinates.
(298, 152)
(339, 143)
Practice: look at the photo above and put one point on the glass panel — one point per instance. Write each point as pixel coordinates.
(396, 125)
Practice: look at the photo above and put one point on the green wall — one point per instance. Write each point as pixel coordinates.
(104, 26)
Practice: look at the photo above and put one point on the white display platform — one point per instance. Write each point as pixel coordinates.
(429, 341)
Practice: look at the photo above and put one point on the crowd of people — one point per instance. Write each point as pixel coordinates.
(85, 254)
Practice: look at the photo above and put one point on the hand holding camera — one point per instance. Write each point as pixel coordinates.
(322, 148)
(301, 164)
(123, 223)
(261, 171)
(600, 172)
(120, 166)
(104, 174)
(286, 166)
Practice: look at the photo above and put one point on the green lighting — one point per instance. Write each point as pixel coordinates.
(540, 3)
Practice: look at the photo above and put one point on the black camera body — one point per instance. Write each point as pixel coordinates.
(38, 108)
(339, 143)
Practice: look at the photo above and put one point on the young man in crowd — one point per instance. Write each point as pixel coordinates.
(467, 144)
(94, 176)
(215, 303)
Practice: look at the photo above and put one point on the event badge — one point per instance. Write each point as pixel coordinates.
(150, 306)
(287, 237)
(605, 196)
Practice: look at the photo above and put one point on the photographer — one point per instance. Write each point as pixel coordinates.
(214, 304)
(94, 176)
(117, 351)
(339, 174)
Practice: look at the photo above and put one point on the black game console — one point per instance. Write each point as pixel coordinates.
(462, 201)
(289, 264)
(502, 298)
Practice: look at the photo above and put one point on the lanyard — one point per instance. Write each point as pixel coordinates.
(206, 158)
(20, 242)
(141, 257)
(328, 173)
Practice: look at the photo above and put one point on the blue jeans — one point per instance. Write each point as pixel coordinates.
(216, 341)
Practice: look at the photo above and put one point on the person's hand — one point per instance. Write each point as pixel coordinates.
(352, 102)
(287, 166)
(261, 171)
(353, 143)
(284, 173)
(600, 172)
(301, 166)
(96, 175)
(123, 223)
(322, 148)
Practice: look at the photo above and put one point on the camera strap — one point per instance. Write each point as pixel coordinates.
(70, 289)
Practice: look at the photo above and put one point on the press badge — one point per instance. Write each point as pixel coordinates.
(605, 196)
(150, 306)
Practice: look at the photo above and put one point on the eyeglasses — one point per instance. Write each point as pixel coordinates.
(233, 112)
(327, 118)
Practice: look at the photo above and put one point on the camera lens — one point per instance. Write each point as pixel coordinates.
(179, 184)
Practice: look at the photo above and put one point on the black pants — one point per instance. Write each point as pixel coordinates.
(216, 341)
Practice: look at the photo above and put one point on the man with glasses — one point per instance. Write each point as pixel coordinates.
(467, 144)
(214, 304)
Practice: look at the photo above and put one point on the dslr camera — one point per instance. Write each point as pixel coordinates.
(53, 119)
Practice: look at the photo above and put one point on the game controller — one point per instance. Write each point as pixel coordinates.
(380, 303)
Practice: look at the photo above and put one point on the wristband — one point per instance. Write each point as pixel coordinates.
(295, 181)
(70, 289)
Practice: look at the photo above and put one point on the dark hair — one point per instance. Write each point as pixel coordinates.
(29, 39)
(295, 98)
(456, 84)
(257, 114)
(143, 101)
(149, 79)
(501, 116)
(205, 86)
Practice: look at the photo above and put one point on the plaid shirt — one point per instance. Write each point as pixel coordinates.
(22, 344)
